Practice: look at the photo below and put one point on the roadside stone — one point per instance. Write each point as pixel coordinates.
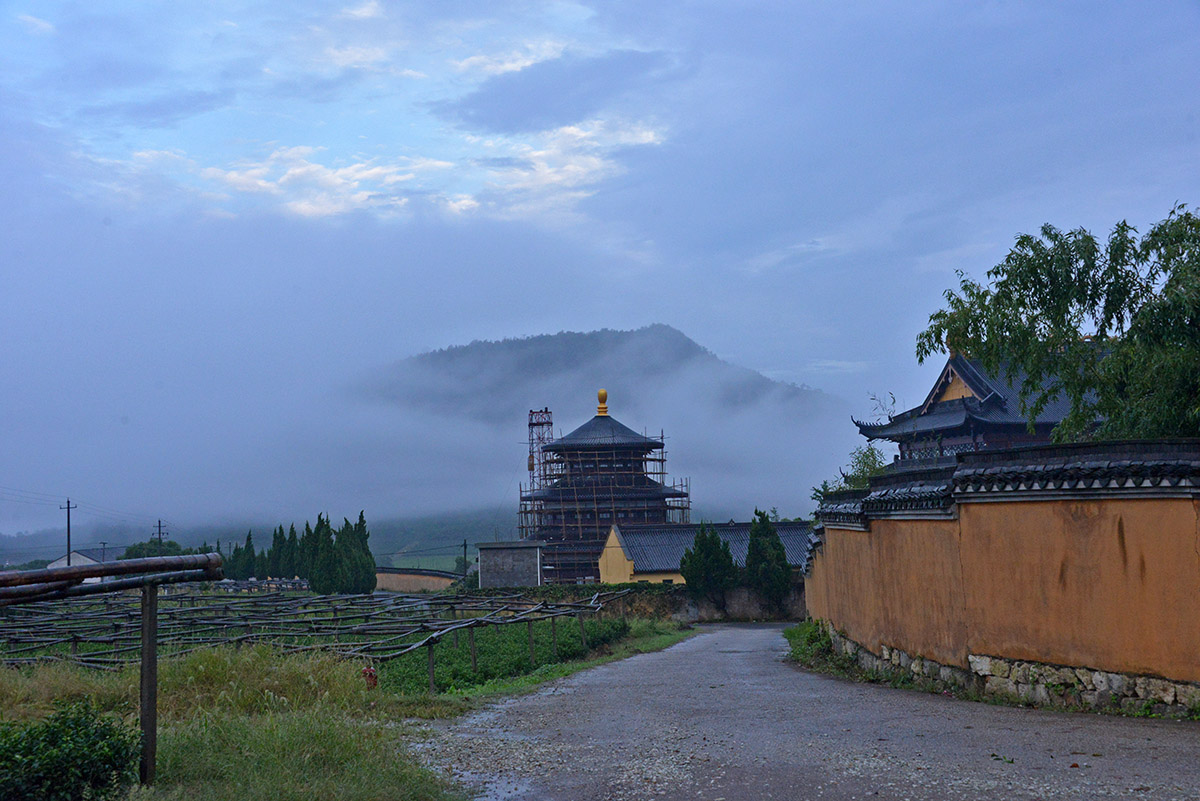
(1105, 698)
(946, 674)
(1188, 695)
(1100, 680)
(932, 669)
(1155, 689)
(1088, 698)
(998, 685)
(917, 666)
(1020, 673)
(1001, 668)
(1119, 684)
(905, 660)
(1041, 695)
(980, 664)
(1084, 676)
(1133, 704)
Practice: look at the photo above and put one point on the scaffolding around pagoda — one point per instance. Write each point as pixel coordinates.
(579, 486)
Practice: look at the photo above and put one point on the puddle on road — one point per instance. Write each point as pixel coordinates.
(492, 788)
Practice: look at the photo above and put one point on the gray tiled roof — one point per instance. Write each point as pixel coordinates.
(602, 431)
(997, 401)
(659, 548)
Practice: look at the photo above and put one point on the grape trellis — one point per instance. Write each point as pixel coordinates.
(104, 631)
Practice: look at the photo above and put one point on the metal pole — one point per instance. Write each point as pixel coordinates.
(149, 689)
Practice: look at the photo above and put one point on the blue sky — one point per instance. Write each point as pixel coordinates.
(210, 205)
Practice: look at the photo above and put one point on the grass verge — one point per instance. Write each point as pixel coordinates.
(254, 723)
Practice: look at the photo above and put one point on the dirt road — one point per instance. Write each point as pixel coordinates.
(721, 716)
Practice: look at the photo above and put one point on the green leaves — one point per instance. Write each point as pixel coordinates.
(707, 567)
(1113, 327)
(767, 570)
(74, 753)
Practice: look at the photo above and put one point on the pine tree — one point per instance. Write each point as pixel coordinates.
(767, 569)
(306, 553)
(261, 570)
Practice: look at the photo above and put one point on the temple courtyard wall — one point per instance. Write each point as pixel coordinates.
(1028, 572)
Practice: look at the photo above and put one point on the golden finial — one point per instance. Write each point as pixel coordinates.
(602, 409)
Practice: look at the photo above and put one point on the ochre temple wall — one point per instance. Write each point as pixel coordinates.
(1111, 584)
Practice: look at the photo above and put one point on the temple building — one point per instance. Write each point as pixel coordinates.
(968, 409)
(580, 485)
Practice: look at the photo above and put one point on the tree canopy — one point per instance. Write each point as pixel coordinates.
(767, 569)
(707, 567)
(1113, 327)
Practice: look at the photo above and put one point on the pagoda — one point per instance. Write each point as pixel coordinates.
(580, 485)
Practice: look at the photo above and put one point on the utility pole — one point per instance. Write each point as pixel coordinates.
(69, 507)
(160, 537)
(464, 559)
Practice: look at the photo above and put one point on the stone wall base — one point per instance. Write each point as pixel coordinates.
(1034, 683)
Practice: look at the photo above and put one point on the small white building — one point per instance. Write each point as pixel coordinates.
(88, 556)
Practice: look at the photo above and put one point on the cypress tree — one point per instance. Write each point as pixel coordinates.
(287, 564)
(767, 570)
(275, 554)
(707, 567)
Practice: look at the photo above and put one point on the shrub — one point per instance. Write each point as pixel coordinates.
(74, 753)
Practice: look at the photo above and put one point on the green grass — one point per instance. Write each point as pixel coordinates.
(289, 756)
(255, 723)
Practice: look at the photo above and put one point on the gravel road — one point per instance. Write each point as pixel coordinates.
(722, 717)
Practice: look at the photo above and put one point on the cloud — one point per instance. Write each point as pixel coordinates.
(162, 112)
(357, 57)
(306, 187)
(512, 61)
(368, 10)
(35, 25)
(561, 166)
(553, 93)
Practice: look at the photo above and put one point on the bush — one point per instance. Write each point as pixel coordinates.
(75, 753)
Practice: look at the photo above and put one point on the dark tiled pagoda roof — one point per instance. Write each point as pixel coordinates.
(578, 488)
(996, 402)
(658, 548)
(603, 431)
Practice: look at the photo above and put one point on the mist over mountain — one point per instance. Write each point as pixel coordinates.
(433, 447)
(742, 438)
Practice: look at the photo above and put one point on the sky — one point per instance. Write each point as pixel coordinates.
(219, 217)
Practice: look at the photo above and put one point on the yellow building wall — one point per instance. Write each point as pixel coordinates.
(659, 578)
(1111, 584)
(410, 582)
(615, 566)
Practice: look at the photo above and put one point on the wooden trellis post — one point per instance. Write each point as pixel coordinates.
(471, 637)
(582, 632)
(532, 658)
(554, 636)
(149, 688)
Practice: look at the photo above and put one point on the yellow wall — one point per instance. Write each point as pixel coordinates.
(1111, 584)
(955, 389)
(658, 578)
(410, 582)
(615, 566)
